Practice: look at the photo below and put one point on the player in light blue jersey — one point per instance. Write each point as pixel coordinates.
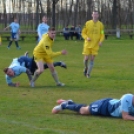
(24, 64)
(120, 108)
(42, 28)
(15, 31)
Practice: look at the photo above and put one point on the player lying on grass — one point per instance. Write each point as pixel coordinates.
(120, 108)
(26, 65)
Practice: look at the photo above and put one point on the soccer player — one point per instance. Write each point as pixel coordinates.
(15, 31)
(42, 28)
(119, 108)
(24, 64)
(43, 54)
(15, 69)
(93, 34)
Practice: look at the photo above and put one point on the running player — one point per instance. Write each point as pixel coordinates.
(15, 31)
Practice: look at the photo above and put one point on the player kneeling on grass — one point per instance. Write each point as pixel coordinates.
(119, 108)
(43, 54)
(24, 64)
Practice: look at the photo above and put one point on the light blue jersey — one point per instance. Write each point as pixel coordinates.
(116, 107)
(42, 29)
(17, 69)
(14, 27)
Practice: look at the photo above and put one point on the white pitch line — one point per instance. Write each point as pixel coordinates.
(33, 127)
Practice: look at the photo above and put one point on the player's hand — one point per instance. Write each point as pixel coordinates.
(63, 52)
(17, 84)
(100, 44)
(88, 39)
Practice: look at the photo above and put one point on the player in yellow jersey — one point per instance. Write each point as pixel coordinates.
(43, 53)
(93, 34)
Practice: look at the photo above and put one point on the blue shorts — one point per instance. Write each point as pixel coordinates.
(25, 61)
(100, 107)
(14, 35)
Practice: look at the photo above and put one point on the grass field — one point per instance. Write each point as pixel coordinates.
(27, 110)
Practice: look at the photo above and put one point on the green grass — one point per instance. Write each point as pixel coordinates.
(26, 110)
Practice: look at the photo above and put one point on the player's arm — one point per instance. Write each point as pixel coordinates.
(10, 83)
(84, 33)
(14, 84)
(126, 116)
(102, 35)
(39, 31)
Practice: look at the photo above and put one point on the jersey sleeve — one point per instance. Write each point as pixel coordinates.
(125, 104)
(39, 31)
(8, 79)
(84, 32)
(102, 36)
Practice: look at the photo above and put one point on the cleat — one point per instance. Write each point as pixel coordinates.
(26, 54)
(61, 101)
(56, 109)
(8, 47)
(85, 71)
(87, 75)
(63, 64)
(60, 84)
(18, 48)
(32, 84)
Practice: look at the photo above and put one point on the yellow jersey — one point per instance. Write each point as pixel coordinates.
(94, 31)
(44, 48)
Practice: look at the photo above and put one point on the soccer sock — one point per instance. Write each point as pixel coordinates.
(74, 107)
(10, 43)
(55, 76)
(90, 66)
(86, 63)
(36, 75)
(55, 64)
(16, 43)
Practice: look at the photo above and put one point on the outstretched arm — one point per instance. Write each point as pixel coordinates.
(14, 84)
(126, 116)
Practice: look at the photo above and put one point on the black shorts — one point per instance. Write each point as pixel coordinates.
(100, 107)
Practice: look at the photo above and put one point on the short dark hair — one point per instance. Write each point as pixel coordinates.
(51, 29)
(5, 70)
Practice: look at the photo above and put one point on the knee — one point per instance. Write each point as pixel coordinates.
(40, 71)
(84, 111)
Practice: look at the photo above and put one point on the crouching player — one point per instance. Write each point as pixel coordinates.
(24, 64)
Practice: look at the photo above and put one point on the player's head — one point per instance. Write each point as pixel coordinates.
(8, 71)
(52, 32)
(95, 15)
(44, 19)
(15, 20)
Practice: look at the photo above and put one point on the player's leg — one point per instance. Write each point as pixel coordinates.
(86, 53)
(16, 41)
(54, 74)
(11, 40)
(94, 52)
(40, 69)
(70, 105)
(90, 66)
(59, 63)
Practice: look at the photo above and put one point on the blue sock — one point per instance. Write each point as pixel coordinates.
(73, 107)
